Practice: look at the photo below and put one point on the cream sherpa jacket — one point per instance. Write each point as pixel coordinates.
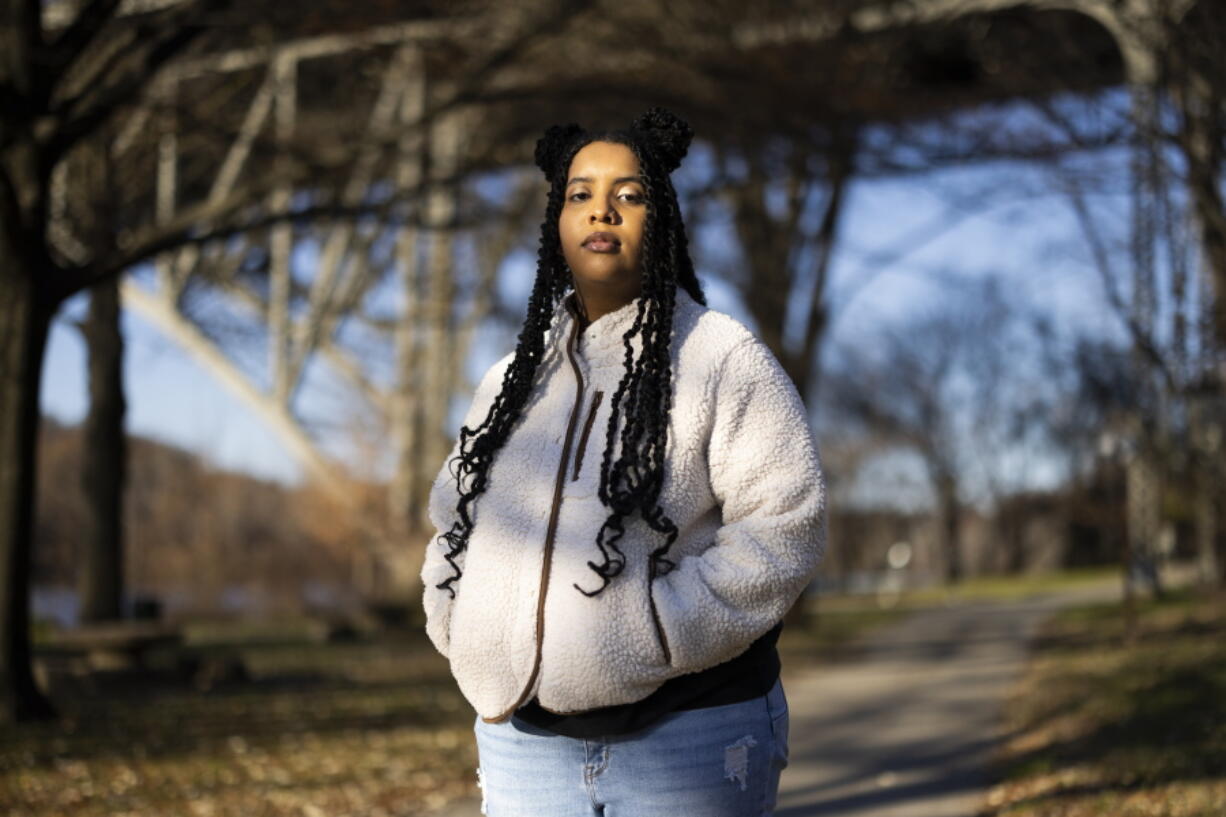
(742, 482)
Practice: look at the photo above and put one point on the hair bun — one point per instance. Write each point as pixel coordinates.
(550, 146)
(670, 132)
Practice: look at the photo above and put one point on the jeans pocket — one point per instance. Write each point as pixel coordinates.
(777, 707)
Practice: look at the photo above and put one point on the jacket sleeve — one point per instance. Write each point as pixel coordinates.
(766, 474)
(442, 511)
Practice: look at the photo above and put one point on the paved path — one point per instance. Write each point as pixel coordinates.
(907, 726)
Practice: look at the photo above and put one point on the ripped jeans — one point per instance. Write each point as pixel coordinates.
(721, 761)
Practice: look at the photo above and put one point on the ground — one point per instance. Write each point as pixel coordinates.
(932, 706)
(1097, 726)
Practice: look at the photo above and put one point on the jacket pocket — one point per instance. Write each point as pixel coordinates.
(587, 430)
(661, 637)
(450, 607)
(438, 606)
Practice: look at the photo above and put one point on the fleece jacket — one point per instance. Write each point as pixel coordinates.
(742, 482)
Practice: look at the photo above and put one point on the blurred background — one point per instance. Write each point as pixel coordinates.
(253, 258)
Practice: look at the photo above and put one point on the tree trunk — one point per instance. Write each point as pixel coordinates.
(100, 580)
(1199, 140)
(25, 318)
(1144, 508)
(1206, 513)
(947, 501)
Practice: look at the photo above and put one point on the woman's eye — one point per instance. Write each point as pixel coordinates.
(632, 197)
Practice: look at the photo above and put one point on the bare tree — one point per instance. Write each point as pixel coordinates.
(930, 385)
(1195, 77)
(58, 87)
(67, 81)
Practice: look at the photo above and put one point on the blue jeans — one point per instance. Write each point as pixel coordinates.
(721, 761)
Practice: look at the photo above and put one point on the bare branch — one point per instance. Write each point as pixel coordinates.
(1144, 341)
(225, 218)
(21, 44)
(97, 102)
(85, 30)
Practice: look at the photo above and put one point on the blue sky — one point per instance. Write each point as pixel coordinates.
(1030, 241)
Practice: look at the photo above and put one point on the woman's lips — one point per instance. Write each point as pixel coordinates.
(601, 241)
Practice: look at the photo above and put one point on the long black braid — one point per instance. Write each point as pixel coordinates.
(659, 139)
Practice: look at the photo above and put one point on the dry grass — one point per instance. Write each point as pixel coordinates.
(1100, 728)
(363, 729)
(1011, 587)
(830, 629)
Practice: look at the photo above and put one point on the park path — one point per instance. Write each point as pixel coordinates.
(907, 725)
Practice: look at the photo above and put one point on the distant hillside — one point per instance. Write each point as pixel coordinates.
(193, 530)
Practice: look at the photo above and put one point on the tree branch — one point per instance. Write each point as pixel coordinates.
(1144, 341)
(223, 219)
(84, 113)
(85, 29)
(21, 45)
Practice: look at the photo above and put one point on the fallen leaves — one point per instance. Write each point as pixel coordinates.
(1097, 728)
(273, 747)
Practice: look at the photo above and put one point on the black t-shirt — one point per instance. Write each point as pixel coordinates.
(749, 675)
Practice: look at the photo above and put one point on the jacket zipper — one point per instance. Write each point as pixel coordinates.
(587, 429)
(551, 529)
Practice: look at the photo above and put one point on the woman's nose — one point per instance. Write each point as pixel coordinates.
(603, 214)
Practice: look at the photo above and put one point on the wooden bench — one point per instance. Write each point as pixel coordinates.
(112, 645)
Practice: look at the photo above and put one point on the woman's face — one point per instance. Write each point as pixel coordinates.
(604, 194)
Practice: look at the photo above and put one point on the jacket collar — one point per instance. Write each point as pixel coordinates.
(600, 343)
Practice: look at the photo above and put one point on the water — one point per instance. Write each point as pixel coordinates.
(59, 603)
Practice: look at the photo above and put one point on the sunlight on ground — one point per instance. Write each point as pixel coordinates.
(1098, 728)
(379, 728)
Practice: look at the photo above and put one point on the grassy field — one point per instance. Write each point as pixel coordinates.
(1010, 588)
(365, 728)
(320, 729)
(1100, 728)
(377, 727)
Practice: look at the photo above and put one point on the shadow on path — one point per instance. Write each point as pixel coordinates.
(908, 728)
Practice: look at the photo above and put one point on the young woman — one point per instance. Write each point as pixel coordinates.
(634, 501)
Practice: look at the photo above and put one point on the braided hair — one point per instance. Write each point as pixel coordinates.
(659, 139)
